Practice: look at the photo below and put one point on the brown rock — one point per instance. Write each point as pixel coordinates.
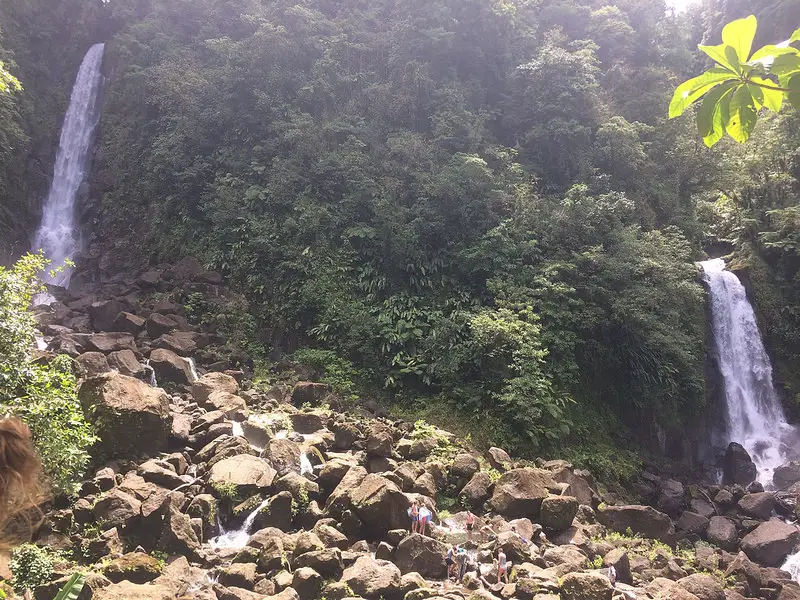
(126, 363)
(111, 342)
(170, 367)
(644, 520)
(519, 493)
(94, 363)
(128, 323)
(371, 578)
(770, 542)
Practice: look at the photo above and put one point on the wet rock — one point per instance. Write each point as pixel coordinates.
(757, 505)
(371, 578)
(644, 520)
(131, 417)
(519, 493)
(770, 542)
(558, 512)
(786, 475)
(168, 366)
(738, 467)
(421, 554)
(586, 586)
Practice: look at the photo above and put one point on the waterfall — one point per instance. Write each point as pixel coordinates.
(57, 234)
(305, 464)
(754, 414)
(192, 370)
(238, 537)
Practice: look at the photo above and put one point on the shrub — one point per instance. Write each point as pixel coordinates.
(39, 391)
(31, 565)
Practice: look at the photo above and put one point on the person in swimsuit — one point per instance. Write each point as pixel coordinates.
(462, 558)
(424, 518)
(502, 566)
(413, 512)
(470, 525)
(449, 560)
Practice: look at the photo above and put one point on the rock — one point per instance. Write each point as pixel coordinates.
(107, 543)
(308, 392)
(416, 449)
(724, 499)
(284, 455)
(331, 537)
(210, 383)
(619, 559)
(564, 558)
(308, 422)
(340, 497)
(770, 542)
(478, 490)
(179, 342)
(644, 520)
(241, 575)
(158, 325)
(586, 586)
(297, 486)
(425, 485)
(661, 587)
(178, 536)
(126, 363)
(785, 475)
(577, 485)
(153, 472)
(117, 509)
(168, 366)
(277, 512)
(421, 554)
(93, 363)
(499, 459)
(102, 314)
(111, 342)
(671, 497)
(379, 441)
(131, 417)
(705, 587)
(249, 474)
(758, 505)
(327, 562)
(558, 512)
(519, 493)
(136, 567)
(692, 523)
(702, 507)
(738, 467)
(125, 590)
(371, 578)
(233, 406)
(128, 323)
(464, 466)
(307, 583)
(379, 504)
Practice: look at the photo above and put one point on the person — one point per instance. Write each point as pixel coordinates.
(488, 533)
(462, 558)
(502, 566)
(424, 518)
(21, 489)
(470, 525)
(413, 512)
(450, 561)
(612, 575)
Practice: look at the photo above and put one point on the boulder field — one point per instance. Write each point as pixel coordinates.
(209, 487)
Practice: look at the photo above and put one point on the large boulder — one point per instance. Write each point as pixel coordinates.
(785, 475)
(210, 383)
(308, 392)
(499, 459)
(94, 363)
(558, 512)
(180, 342)
(421, 554)
(671, 497)
(758, 505)
(168, 366)
(158, 324)
(519, 492)
(284, 455)
(379, 441)
(125, 590)
(644, 520)
(117, 509)
(722, 532)
(478, 490)
(704, 586)
(247, 473)
(128, 323)
(103, 313)
(131, 417)
(769, 543)
(372, 579)
(586, 586)
(125, 362)
(111, 342)
(379, 504)
(464, 466)
(738, 467)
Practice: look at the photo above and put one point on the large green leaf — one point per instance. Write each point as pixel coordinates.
(785, 64)
(794, 95)
(717, 53)
(766, 54)
(690, 91)
(72, 588)
(795, 36)
(710, 115)
(739, 34)
(771, 98)
(743, 115)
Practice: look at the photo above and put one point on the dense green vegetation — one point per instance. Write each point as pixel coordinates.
(476, 208)
(38, 389)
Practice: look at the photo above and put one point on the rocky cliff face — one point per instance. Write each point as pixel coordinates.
(218, 490)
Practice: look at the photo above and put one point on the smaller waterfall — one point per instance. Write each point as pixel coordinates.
(792, 566)
(192, 370)
(151, 374)
(238, 537)
(305, 464)
(237, 429)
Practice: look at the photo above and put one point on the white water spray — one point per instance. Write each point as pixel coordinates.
(192, 370)
(57, 234)
(237, 538)
(755, 417)
(305, 464)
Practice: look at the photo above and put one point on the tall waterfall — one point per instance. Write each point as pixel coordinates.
(755, 418)
(57, 234)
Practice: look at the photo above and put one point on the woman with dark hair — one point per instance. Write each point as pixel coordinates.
(21, 489)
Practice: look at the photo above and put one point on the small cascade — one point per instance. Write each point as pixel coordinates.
(238, 537)
(305, 464)
(151, 374)
(40, 343)
(192, 370)
(792, 566)
(58, 231)
(237, 429)
(755, 417)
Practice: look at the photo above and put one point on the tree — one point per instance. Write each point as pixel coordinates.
(8, 83)
(741, 83)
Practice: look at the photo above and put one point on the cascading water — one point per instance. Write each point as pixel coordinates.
(238, 538)
(57, 234)
(755, 417)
